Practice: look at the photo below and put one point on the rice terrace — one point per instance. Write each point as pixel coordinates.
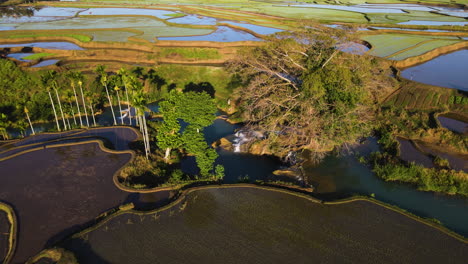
(234, 131)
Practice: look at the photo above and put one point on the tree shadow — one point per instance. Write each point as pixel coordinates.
(200, 87)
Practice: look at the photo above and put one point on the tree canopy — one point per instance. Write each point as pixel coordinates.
(304, 91)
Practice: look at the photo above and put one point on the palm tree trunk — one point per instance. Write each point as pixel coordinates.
(110, 104)
(55, 112)
(73, 113)
(166, 155)
(120, 108)
(78, 105)
(30, 124)
(92, 112)
(61, 110)
(84, 104)
(68, 121)
(128, 106)
(148, 151)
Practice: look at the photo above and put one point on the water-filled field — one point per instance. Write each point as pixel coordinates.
(4, 231)
(447, 71)
(246, 225)
(62, 187)
(452, 122)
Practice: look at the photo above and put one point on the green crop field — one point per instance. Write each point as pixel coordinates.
(38, 56)
(422, 48)
(386, 45)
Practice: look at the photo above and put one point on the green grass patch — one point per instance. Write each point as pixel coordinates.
(37, 56)
(174, 15)
(82, 38)
(190, 53)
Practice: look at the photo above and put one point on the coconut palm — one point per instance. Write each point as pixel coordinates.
(80, 83)
(70, 97)
(139, 102)
(75, 76)
(101, 70)
(127, 84)
(26, 111)
(117, 89)
(90, 98)
(56, 87)
(45, 81)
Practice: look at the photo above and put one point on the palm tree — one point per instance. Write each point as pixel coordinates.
(90, 98)
(70, 97)
(74, 76)
(26, 111)
(100, 69)
(139, 102)
(45, 80)
(80, 83)
(127, 84)
(55, 86)
(117, 89)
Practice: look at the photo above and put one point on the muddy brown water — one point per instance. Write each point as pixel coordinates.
(54, 191)
(243, 225)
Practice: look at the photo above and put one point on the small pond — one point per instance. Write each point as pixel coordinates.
(449, 70)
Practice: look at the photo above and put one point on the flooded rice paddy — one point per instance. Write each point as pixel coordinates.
(452, 122)
(70, 185)
(45, 45)
(448, 70)
(4, 232)
(45, 63)
(265, 227)
(222, 34)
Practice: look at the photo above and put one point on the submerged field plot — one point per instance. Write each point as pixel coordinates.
(62, 187)
(248, 225)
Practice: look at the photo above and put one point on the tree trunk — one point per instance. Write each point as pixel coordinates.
(68, 121)
(92, 112)
(120, 108)
(61, 110)
(84, 105)
(110, 104)
(166, 155)
(148, 151)
(30, 124)
(78, 105)
(128, 106)
(55, 112)
(73, 113)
